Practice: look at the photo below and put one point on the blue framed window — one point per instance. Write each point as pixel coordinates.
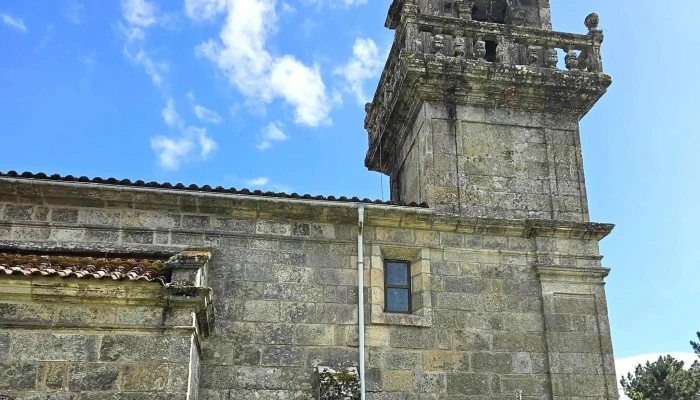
(397, 286)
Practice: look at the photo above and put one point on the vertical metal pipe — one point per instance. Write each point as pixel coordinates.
(361, 296)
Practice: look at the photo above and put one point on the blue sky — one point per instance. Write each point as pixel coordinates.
(268, 94)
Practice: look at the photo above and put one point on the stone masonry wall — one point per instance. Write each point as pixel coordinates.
(64, 350)
(501, 164)
(284, 280)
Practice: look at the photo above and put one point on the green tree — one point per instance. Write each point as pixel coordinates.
(664, 379)
(696, 347)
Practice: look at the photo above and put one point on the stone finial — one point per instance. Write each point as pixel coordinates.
(459, 45)
(551, 58)
(438, 43)
(592, 21)
(571, 60)
(533, 55)
(480, 50)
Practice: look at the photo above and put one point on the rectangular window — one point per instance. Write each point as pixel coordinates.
(397, 286)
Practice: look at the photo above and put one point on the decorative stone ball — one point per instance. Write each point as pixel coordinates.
(592, 21)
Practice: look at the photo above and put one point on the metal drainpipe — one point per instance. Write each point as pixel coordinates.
(361, 296)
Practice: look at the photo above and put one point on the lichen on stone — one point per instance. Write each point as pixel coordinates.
(343, 384)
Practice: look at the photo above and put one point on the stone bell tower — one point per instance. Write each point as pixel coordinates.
(477, 111)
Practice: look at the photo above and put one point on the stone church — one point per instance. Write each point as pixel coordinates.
(480, 279)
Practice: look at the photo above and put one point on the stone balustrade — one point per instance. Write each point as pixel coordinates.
(507, 44)
(474, 44)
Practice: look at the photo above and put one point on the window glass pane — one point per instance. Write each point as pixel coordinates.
(397, 274)
(397, 300)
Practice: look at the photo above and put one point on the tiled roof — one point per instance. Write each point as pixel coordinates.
(85, 267)
(196, 188)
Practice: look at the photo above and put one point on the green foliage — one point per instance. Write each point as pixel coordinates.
(664, 379)
(696, 347)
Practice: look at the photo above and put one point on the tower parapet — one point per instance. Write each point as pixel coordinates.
(480, 118)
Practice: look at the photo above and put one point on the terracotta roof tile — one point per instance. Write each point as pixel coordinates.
(85, 267)
(196, 188)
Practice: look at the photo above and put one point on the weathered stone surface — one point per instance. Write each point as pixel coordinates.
(93, 377)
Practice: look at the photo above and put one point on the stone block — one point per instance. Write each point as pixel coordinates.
(85, 316)
(518, 342)
(101, 235)
(298, 312)
(14, 212)
(398, 380)
(436, 360)
(571, 342)
(233, 224)
(4, 345)
(26, 313)
(93, 377)
(41, 346)
(466, 284)
(412, 338)
(274, 333)
(578, 385)
(430, 382)
(145, 348)
(273, 228)
(394, 359)
(473, 341)
(98, 217)
(261, 311)
(30, 233)
(329, 313)
(495, 363)
(144, 377)
(314, 335)
(468, 384)
(178, 377)
(340, 357)
(245, 355)
(195, 222)
(53, 376)
(189, 239)
(17, 376)
(531, 385)
(137, 237)
(64, 215)
(576, 363)
(522, 363)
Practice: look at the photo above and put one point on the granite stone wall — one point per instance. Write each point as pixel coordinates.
(60, 340)
(283, 273)
(494, 164)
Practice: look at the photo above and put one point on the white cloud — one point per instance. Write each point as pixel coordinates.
(170, 115)
(261, 181)
(627, 365)
(241, 54)
(207, 144)
(271, 133)
(207, 115)
(364, 64)
(12, 22)
(173, 152)
(204, 9)
(139, 13)
(336, 3)
(154, 69)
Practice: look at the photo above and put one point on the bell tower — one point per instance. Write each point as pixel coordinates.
(477, 111)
